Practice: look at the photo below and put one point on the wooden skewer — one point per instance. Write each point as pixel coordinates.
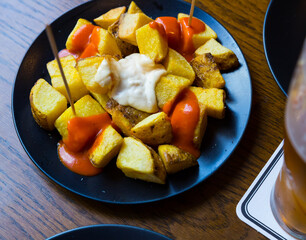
(55, 52)
(191, 12)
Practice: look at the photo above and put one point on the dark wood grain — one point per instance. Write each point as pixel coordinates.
(33, 207)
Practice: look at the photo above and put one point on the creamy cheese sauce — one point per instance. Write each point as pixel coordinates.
(104, 75)
(132, 81)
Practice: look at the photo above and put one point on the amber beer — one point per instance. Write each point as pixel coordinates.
(288, 199)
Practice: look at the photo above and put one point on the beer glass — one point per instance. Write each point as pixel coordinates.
(288, 198)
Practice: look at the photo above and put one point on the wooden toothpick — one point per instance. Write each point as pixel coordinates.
(191, 12)
(55, 53)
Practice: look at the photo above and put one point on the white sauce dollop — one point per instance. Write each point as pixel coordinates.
(104, 75)
(133, 81)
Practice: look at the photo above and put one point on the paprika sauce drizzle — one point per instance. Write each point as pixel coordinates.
(85, 42)
(184, 113)
(172, 30)
(82, 132)
(186, 46)
(179, 33)
(91, 48)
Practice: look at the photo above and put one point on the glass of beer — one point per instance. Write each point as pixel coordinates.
(288, 198)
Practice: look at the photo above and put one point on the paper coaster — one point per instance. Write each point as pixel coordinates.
(254, 207)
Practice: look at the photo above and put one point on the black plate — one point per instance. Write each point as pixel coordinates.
(109, 232)
(221, 137)
(283, 36)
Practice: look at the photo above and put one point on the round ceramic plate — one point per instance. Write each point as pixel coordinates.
(110, 232)
(283, 36)
(220, 140)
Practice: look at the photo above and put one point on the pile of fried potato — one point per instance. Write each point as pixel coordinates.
(143, 149)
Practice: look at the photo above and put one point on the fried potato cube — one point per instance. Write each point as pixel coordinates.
(87, 68)
(207, 72)
(176, 159)
(201, 126)
(136, 160)
(101, 98)
(224, 57)
(46, 104)
(151, 43)
(84, 107)
(168, 87)
(125, 117)
(75, 83)
(154, 130)
(107, 19)
(129, 24)
(176, 64)
(213, 99)
(105, 147)
(133, 8)
(125, 47)
(107, 44)
(200, 38)
(79, 24)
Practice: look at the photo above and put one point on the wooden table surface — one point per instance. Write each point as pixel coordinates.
(34, 207)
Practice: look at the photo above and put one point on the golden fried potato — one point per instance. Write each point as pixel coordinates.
(201, 126)
(151, 43)
(75, 83)
(101, 98)
(213, 99)
(105, 147)
(107, 19)
(207, 73)
(84, 107)
(79, 24)
(136, 160)
(125, 47)
(87, 68)
(224, 57)
(129, 24)
(168, 87)
(176, 64)
(154, 130)
(176, 159)
(107, 44)
(125, 117)
(200, 38)
(46, 104)
(133, 8)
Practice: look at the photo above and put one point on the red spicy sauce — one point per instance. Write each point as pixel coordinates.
(184, 113)
(179, 34)
(85, 41)
(92, 47)
(82, 132)
(77, 162)
(81, 37)
(186, 47)
(89, 51)
(172, 29)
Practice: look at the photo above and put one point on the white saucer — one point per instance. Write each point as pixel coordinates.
(254, 207)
